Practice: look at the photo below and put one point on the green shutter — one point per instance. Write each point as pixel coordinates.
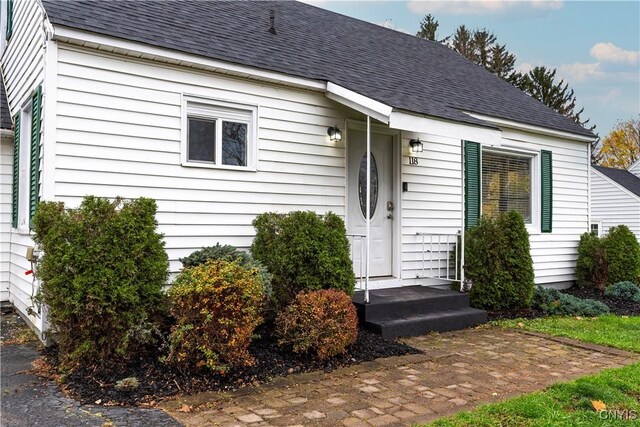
(9, 18)
(546, 203)
(34, 175)
(16, 171)
(472, 155)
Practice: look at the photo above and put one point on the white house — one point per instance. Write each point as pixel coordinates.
(615, 198)
(221, 111)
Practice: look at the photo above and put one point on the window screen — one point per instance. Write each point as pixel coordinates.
(506, 184)
(202, 140)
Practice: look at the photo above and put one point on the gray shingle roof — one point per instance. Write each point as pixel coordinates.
(397, 69)
(622, 177)
(5, 115)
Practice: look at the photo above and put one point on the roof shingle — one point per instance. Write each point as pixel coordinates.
(622, 177)
(397, 69)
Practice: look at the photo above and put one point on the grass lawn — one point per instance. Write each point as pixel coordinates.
(561, 405)
(570, 404)
(613, 331)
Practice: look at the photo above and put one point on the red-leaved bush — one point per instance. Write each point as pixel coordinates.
(323, 322)
(217, 306)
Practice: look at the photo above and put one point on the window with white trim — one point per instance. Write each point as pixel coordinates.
(596, 228)
(507, 184)
(219, 134)
(24, 167)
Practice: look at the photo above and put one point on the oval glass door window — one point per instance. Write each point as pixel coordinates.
(362, 185)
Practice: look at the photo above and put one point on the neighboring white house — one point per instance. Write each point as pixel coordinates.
(221, 111)
(615, 199)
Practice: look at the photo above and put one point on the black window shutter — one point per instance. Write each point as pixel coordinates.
(472, 155)
(9, 18)
(34, 176)
(546, 202)
(16, 171)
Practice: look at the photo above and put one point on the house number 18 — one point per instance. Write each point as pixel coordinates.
(413, 160)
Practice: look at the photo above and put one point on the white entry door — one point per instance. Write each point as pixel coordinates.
(382, 201)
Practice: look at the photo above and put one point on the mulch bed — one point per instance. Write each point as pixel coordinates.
(157, 380)
(617, 306)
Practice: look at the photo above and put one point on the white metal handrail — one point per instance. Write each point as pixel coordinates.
(362, 277)
(436, 244)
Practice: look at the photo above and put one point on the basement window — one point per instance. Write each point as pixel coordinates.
(219, 134)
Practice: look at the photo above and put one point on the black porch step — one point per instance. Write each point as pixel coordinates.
(416, 310)
(440, 321)
(407, 301)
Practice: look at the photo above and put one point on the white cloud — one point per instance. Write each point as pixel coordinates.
(525, 67)
(608, 52)
(582, 72)
(476, 7)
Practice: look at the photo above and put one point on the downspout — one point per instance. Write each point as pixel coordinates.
(368, 210)
(462, 229)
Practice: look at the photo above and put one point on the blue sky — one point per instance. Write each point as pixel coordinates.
(595, 45)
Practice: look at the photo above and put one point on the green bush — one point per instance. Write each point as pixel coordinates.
(102, 273)
(323, 322)
(217, 307)
(498, 263)
(303, 251)
(591, 266)
(552, 302)
(623, 255)
(626, 291)
(229, 253)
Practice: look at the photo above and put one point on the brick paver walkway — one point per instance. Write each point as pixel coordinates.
(458, 370)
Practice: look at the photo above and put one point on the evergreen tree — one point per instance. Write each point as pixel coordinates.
(428, 28)
(462, 42)
(541, 84)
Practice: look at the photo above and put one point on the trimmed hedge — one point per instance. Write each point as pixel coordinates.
(303, 251)
(102, 275)
(610, 259)
(498, 263)
(323, 322)
(626, 291)
(592, 267)
(623, 255)
(552, 302)
(228, 253)
(217, 306)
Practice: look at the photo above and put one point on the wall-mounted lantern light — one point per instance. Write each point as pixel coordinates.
(335, 134)
(416, 146)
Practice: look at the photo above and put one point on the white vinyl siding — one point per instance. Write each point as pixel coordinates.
(23, 68)
(612, 205)
(119, 134)
(6, 159)
(635, 168)
(433, 203)
(23, 57)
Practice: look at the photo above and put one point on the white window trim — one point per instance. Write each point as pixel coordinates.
(214, 109)
(597, 222)
(532, 227)
(24, 168)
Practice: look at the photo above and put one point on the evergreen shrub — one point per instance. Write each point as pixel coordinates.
(102, 275)
(303, 251)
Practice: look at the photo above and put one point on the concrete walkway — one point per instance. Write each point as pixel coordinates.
(30, 401)
(457, 371)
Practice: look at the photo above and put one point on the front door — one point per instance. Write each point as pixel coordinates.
(382, 200)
